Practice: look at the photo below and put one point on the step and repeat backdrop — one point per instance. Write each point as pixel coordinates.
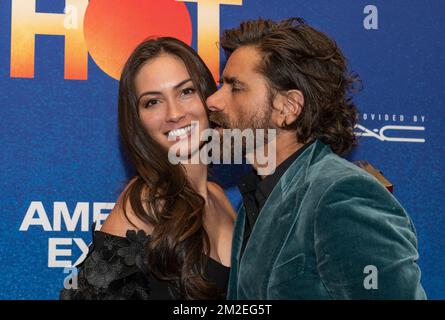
(61, 163)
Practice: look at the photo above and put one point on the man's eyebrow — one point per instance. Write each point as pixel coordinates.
(231, 80)
(158, 92)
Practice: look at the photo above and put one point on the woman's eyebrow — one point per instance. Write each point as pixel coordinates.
(158, 92)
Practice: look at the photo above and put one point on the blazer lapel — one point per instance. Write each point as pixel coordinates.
(268, 234)
(238, 236)
(271, 228)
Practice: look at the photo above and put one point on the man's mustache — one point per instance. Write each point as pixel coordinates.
(218, 120)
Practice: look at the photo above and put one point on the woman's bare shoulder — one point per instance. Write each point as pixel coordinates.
(119, 222)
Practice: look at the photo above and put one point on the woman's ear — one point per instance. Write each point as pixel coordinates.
(289, 104)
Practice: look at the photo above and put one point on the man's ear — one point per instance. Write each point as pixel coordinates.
(290, 105)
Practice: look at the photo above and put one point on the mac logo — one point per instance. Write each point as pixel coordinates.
(392, 133)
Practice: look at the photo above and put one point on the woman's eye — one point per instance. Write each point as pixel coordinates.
(188, 91)
(151, 103)
(235, 89)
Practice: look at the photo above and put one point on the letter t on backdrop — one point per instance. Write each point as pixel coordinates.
(208, 31)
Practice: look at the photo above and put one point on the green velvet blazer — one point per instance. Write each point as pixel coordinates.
(328, 230)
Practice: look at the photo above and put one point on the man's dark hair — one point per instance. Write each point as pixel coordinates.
(297, 56)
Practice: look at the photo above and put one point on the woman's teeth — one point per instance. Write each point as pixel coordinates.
(180, 132)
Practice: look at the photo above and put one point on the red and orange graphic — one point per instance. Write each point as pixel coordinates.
(113, 28)
(109, 30)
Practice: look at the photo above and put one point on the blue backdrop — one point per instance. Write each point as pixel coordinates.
(61, 159)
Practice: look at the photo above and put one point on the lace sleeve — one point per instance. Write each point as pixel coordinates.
(114, 269)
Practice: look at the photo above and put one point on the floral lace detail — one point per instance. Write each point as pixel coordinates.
(115, 268)
(131, 254)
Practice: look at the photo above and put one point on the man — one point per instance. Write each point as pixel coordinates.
(318, 227)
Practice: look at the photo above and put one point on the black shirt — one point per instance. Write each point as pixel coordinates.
(255, 191)
(116, 269)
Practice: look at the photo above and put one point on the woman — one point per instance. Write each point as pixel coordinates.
(169, 234)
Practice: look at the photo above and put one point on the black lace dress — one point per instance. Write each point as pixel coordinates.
(116, 269)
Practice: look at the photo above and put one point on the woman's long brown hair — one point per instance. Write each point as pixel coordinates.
(161, 194)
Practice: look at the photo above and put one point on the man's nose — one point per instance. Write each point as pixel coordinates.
(216, 102)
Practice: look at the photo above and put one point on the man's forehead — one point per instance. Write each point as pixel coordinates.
(242, 62)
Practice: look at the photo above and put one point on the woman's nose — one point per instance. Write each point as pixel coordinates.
(216, 102)
(175, 112)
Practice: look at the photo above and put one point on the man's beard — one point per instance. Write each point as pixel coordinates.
(261, 119)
